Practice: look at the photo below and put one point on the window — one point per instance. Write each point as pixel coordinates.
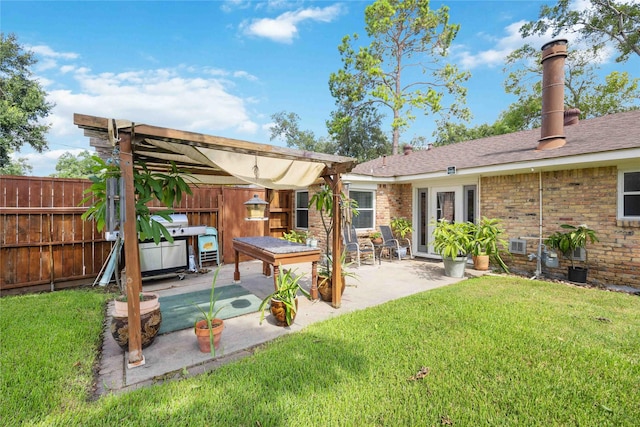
(629, 194)
(302, 209)
(365, 200)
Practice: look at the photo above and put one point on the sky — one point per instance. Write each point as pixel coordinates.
(225, 67)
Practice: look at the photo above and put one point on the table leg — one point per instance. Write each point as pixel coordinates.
(314, 280)
(236, 274)
(276, 273)
(266, 268)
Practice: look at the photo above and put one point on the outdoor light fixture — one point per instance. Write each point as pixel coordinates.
(256, 208)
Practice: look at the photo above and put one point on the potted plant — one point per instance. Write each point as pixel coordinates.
(284, 300)
(401, 229)
(454, 242)
(296, 236)
(567, 242)
(376, 237)
(488, 243)
(150, 319)
(148, 302)
(323, 203)
(208, 328)
(325, 283)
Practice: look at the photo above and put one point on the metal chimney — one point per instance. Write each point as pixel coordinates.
(552, 130)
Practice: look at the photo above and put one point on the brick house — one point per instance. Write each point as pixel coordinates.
(567, 172)
(594, 179)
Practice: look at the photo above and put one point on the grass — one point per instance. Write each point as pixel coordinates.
(496, 351)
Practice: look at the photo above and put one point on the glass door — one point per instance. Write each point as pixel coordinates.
(422, 229)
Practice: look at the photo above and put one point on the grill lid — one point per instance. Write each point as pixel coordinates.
(178, 220)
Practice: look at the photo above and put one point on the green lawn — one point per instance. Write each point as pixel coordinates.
(496, 351)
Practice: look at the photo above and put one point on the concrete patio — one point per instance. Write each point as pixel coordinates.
(176, 355)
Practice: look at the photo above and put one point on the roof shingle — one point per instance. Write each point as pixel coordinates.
(602, 134)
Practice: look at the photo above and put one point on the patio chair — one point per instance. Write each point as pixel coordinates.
(352, 244)
(389, 242)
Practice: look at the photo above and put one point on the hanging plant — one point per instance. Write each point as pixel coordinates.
(168, 188)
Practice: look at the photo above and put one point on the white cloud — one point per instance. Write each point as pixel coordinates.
(284, 28)
(46, 52)
(512, 40)
(166, 97)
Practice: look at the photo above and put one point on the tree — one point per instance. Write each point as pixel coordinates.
(286, 126)
(584, 89)
(22, 101)
(605, 20)
(406, 35)
(18, 167)
(70, 166)
(450, 133)
(358, 133)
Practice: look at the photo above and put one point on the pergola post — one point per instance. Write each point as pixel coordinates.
(131, 254)
(336, 273)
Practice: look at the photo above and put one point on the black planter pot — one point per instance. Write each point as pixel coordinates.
(578, 274)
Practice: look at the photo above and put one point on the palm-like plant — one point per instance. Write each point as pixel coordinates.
(575, 237)
(287, 287)
(168, 188)
(487, 240)
(211, 313)
(452, 239)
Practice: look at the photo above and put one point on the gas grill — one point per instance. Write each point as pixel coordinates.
(168, 257)
(179, 226)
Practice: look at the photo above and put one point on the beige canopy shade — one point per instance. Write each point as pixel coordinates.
(217, 160)
(211, 159)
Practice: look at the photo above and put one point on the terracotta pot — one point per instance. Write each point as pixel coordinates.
(202, 334)
(148, 304)
(150, 323)
(278, 311)
(377, 241)
(325, 288)
(481, 262)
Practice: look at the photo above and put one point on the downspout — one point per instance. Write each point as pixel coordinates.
(539, 257)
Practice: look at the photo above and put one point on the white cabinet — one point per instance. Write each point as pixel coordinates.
(164, 256)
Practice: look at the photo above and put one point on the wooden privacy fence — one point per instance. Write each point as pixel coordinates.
(44, 243)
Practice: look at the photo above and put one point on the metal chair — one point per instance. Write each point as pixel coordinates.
(208, 246)
(390, 242)
(352, 244)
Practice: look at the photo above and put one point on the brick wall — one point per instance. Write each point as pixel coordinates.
(580, 196)
(391, 201)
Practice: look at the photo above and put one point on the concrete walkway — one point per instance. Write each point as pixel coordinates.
(176, 355)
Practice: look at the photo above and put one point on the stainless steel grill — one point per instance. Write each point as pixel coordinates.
(179, 226)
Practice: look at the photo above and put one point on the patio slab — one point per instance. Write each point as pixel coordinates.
(176, 355)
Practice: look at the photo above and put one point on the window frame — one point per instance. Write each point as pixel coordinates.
(297, 209)
(373, 205)
(622, 194)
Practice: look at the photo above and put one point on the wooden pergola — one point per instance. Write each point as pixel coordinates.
(214, 160)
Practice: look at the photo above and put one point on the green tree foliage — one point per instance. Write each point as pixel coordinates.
(404, 67)
(287, 126)
(358, 133)
(18, 167)
(584, 89)
(604, 21)
(450, 133)
(70, 166)
(22, 101)
(593, 95)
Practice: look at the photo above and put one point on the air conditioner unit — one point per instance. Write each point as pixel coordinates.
(518, 246)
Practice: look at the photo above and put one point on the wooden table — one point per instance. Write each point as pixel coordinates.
(276, 252)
